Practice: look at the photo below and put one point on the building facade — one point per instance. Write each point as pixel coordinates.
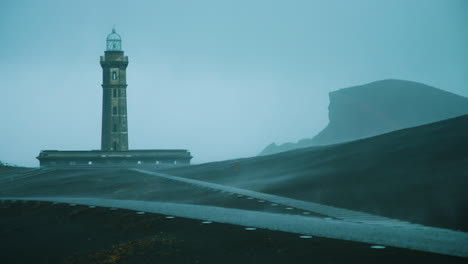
(114, 134)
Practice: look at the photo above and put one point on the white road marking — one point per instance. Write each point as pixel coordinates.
(335, 212)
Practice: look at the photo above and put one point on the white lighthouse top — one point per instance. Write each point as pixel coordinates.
(114, 41)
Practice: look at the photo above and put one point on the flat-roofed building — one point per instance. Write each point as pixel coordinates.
(98, 158)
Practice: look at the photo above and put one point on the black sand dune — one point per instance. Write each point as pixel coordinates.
(418, 174)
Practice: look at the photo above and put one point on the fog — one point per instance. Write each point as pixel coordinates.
(222, 79)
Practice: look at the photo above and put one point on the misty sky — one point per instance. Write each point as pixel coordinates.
(220, 78)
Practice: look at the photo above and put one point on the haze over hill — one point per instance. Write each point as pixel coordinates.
(416, 174)
(380, 107)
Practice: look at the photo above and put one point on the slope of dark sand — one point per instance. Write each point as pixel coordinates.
(34, 232)
(418, 174)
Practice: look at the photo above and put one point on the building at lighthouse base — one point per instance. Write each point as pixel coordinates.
(130, 158)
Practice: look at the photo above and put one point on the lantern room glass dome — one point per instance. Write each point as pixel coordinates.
(114, 41)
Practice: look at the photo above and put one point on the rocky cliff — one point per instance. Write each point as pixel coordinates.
(377, 108)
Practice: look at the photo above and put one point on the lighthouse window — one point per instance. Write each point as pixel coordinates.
(114, 110)
(114, 75)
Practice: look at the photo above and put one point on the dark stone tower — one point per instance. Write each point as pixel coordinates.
(114, 138)
(114, 135)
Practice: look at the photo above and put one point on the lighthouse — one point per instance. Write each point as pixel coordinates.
(114, 150)
(114, 133)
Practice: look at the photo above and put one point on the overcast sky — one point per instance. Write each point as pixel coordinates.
(220, 78)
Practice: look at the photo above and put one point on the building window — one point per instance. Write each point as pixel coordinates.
(90, 163)
(175, 161)
(114, 128)
(114, 75)
(114, 110)
(119, 93)
(139, 162)
(115, 146)
(114, 92)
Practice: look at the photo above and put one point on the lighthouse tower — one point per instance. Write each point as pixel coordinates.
(114, 135)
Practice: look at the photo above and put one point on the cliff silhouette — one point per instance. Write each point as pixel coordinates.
(380, 107)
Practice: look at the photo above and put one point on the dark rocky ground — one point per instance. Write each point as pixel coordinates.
(42, 232)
